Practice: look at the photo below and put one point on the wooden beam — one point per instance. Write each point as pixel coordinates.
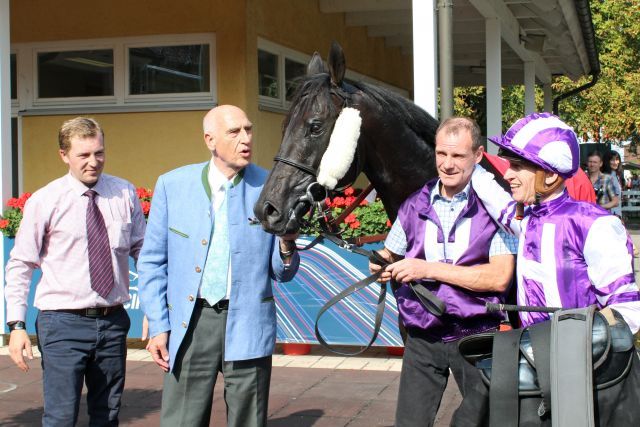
(378, 18)
(388, 30)
(341, 6)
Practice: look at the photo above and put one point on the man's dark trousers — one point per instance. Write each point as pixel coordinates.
(425, 371)
(74, 349)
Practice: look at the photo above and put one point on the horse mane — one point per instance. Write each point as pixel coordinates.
(403, 110)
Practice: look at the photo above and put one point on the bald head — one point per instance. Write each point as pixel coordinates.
(228, 135)
(213, 117)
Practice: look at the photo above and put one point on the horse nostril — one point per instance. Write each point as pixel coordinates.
(269, 210)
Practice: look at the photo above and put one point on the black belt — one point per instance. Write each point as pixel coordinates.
(93, 312)
(220, 305)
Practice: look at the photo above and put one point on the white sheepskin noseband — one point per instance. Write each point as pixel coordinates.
(342, 148)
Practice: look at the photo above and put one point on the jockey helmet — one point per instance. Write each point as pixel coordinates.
(544, 140)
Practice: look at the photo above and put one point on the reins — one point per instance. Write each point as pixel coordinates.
(315, 195)
(330, 231)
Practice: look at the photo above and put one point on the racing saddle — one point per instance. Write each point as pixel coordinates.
(557, 363)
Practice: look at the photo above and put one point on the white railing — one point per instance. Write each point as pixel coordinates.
(630, 201)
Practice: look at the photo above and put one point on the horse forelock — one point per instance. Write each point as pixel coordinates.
(313, 94)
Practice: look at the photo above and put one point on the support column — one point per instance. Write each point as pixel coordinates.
(548, 97)
(494, 80)
(425, 79)
(529, 87)
(445, 43)
(5, 132)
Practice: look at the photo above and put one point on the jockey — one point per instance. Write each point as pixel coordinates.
(571, 254)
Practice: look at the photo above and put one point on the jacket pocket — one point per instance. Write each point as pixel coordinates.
(179, 233)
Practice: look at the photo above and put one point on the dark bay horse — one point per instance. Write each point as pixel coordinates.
(395, 148)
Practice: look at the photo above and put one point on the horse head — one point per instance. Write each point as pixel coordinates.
(333, 131)
(293, 184)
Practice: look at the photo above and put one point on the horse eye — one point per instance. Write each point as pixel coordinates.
(315, 128)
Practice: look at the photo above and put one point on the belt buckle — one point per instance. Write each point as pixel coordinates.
(95, 312)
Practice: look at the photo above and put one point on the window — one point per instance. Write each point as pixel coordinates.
(280, 71)
(169, 69)
(13, 72)
(268, 74)
(76, 73)
(293, 72)
(166, 72)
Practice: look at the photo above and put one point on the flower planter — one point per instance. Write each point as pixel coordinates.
(395, 351)
(296, 349)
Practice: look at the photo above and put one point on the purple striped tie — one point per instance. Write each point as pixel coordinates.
(100, 264)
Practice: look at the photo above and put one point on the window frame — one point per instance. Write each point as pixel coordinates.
(178, 40)
(281, 105)
(73, 100)
(282, 53)
(27, 70)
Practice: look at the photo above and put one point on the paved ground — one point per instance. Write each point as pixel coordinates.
(316, 390)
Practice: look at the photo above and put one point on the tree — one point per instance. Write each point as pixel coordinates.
(608, 111)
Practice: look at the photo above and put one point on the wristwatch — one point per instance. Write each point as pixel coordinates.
(16, 325)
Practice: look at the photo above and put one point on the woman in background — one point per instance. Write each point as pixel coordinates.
(613, 166)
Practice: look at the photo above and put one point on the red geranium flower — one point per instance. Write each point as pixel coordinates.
(327, 202)
(349, 191)
(388, 223)
(4, 223)
(350, 219)
(355, 224)
(146, 207)
(338, 202)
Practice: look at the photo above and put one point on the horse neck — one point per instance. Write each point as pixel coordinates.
(397, 165)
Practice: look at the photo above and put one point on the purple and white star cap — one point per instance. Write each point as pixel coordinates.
(544, 140)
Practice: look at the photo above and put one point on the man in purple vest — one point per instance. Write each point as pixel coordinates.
(445, 240)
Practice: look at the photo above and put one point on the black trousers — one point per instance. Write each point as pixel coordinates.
(424, 376)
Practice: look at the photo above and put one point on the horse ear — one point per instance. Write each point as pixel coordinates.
(315, 66)
(337, 64)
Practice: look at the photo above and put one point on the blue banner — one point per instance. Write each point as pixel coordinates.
(324, 271)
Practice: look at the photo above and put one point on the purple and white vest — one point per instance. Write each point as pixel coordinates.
(468, 244)
(570, 256)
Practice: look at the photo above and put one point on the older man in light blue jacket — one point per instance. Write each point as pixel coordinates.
(205, 280)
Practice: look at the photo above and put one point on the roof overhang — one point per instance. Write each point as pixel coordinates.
(557, 35)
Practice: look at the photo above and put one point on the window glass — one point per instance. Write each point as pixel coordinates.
(169, 69)
(75, 73)
(14, 76)
(268, 74)
(293, 72)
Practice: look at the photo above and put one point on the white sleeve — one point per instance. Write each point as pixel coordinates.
(495, 199)
(610, 268)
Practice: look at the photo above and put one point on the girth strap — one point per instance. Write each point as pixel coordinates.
(503, 393)
(540, 343)
(572, 368)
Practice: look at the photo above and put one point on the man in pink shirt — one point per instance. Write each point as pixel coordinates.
(79, 230)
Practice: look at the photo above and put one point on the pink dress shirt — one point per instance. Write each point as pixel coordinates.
(53, 237)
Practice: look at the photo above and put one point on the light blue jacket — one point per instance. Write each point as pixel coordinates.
(171, 262)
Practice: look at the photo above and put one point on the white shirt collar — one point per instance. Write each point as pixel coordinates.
(217, 180)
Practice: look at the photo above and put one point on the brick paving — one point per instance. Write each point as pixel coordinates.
(315, 390)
